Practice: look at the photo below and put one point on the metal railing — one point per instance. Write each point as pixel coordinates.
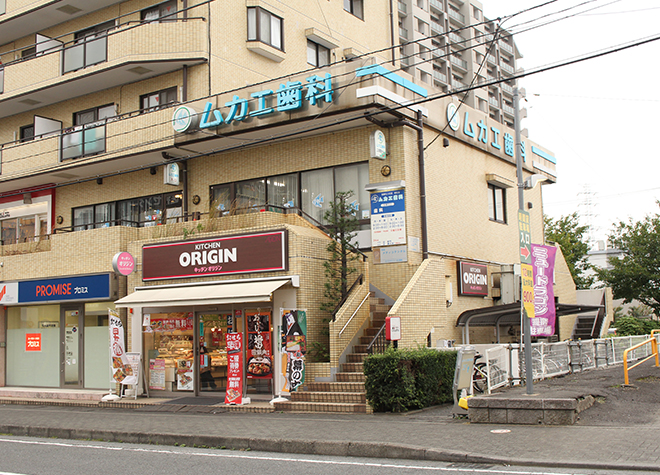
(654, 353)
(357, 282)
(379, 343)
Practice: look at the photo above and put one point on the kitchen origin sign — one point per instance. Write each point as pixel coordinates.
(263, 252)
(473, 279)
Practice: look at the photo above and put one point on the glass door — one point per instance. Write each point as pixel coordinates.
(71, 349)
(212, 351)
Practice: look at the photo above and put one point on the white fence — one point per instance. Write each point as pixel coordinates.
(505, 364)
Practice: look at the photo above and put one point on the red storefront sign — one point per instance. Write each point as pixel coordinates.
(259, 353)
(33, 342)
(234, 393)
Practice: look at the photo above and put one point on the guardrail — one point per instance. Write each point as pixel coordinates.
(654, 349)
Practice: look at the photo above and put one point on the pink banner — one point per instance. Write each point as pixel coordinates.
(543, 264)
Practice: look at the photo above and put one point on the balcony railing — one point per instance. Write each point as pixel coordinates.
(506, 88)
(403, 33)
(506, 68)
(491, 59)
(456, 84)
(3, 7)
(83, 140)
(493, 101)
(456, 38)
(438, 76)
(403, 8)
(506, 47)
(87, 52)
(436, 27)
(457, 16)
(458, 62)
(507, 109)
(405, 61)
(437, 5)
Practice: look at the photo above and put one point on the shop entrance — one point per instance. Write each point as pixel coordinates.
(212, 346)
(71, 345)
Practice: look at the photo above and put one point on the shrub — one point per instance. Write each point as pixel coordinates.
(630, 325)
(401, 380)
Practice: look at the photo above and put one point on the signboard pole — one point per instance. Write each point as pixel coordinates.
(527, 330)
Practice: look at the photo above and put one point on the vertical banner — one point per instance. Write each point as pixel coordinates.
(526, 271)
(121, 370)
(259, 353)
(234, 393)
(294, 347)
(543, 263)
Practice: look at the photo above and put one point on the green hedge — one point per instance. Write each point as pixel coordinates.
(401, 380)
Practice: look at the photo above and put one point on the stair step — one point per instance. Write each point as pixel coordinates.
(321, 407)
(329, 396)
(347, 387)
(352, 367)
(361, 348)
(379, 309)
(350, 377)
(371, 331)
(357, 357)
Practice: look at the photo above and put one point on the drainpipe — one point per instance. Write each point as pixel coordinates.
(184, 175)
(419, 127)
(392, 32)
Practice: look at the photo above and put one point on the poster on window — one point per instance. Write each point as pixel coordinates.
(294, 347)
(259, 353)
(543, 265)
(388, 218)
(234, 393)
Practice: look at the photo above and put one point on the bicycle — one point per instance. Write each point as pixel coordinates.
(480, 378)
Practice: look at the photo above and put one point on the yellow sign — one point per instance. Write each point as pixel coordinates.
(527, 275)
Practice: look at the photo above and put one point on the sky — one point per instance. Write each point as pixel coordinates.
(601, 117)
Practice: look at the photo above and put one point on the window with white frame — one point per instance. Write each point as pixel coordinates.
(265, 27)
(162, 11)
(354, 7)
(496, 203)
(317, 55)
(158, 99)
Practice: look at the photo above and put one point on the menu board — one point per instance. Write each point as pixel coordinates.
(184, 375)
(157, 374)
(259, 348)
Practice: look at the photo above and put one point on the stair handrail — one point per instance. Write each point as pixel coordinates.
(371, 345)
(354, 313)
(345, 297)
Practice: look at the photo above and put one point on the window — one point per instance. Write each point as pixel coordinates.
(165, 11)
(155, 100)
(29, 53)
(354, 7)
(281, 191)
(496, 204)
(87, 136)
(27, 133)
(422, 27)
(317, 55)
(135, 212)
(265, 27)
(89, 48)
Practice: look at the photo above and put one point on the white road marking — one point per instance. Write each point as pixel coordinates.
(276, 459)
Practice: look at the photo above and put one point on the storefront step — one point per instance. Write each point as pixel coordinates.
(329, 397)
(352, 367)
(59, 394)
(357, 357)
(355, 387)
(321, 407)
(350, 377)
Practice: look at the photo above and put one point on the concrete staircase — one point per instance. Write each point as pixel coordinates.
(346, 394)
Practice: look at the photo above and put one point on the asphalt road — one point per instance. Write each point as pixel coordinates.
(28, 456)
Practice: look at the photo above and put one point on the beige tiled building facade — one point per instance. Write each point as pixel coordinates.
(207, 140)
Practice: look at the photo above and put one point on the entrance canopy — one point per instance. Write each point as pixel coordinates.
(509, 314)
(208, 294)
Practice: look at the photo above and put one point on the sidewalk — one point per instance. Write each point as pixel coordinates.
(620, 433)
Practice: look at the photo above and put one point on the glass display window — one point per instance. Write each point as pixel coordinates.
(169, 347)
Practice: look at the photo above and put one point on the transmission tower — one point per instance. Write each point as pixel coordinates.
(587, 212)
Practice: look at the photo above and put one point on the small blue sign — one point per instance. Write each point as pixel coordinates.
(86, 287)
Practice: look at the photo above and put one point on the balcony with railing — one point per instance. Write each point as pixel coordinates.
(507, 68)
(506, 47)
(437, 5)
(19, 18)
(493, 101)
(130, 52)
(456, 84)
(458, 16)
(506, 88)
(491, 59)
(403, 33)
(440, 76)
(508, 109)
(461, 63)
(456, 38)
(436, 28)
(403, 8)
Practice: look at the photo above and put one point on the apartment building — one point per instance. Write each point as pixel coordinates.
(172, 164)
(451, 46)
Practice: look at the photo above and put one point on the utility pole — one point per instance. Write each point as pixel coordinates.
(526, 324)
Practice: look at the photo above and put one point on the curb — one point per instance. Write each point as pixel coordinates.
(297, 446)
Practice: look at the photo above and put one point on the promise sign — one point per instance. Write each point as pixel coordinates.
(263, 252)
(473, 279)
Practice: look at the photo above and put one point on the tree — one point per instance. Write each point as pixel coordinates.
(636, 274)
(567, 232)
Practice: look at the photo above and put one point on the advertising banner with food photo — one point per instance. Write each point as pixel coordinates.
(259, 348)
(184, 375)
(121, 370)
(294, 347)
(234, 393)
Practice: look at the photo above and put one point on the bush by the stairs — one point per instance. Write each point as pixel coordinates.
(401, 380)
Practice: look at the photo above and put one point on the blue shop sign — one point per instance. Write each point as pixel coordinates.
(86, 287)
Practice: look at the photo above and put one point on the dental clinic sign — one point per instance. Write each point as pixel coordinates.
(263, 252)
(479, 131)
(290, 96)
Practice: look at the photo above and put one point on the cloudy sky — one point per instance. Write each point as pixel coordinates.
(600, 117)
